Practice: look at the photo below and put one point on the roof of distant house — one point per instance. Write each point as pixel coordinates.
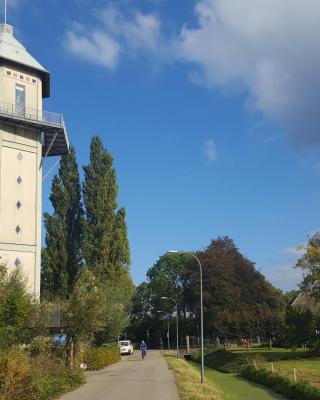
(306, 301)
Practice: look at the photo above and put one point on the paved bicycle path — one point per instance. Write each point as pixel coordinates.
(132, 378)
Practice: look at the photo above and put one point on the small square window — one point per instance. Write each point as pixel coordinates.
(34, 81)
(21, 76)
(27, 79)
(9, 73)
(14, 75)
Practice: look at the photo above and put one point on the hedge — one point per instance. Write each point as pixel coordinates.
(100, 357)
(282, 385)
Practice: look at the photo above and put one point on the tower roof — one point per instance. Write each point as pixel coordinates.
(13, 52)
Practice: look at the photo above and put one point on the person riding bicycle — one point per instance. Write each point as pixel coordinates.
(143, 348)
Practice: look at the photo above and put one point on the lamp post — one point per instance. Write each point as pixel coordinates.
(168, 327)
(177, 322)
(201, 306)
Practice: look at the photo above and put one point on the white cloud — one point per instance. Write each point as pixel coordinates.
(294, 251)
(118, 33)
(268, 49)
(210, 150)
(96, 48)
(284, 276)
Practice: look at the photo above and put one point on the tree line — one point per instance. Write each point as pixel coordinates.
(239, 303)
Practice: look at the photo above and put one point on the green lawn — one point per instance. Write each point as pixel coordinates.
(308, 370)
(238, 386)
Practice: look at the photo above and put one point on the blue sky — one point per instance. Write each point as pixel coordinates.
(209, 107)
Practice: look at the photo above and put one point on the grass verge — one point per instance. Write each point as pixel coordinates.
(299, 390)
(188, 381)
(232, 361)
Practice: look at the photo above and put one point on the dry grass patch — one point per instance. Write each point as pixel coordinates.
(188, 381)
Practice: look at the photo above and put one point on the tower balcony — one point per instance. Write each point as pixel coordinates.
(55, 138)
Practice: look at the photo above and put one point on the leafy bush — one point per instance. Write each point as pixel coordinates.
(292, 390)
(42, 377)
(100, 357)
(51, 386)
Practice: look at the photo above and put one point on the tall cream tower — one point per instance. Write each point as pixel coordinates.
(28, 135)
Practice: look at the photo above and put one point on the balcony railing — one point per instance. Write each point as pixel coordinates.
(31, 114)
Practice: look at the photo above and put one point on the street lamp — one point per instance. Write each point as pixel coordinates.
(201, 306)
(168, 331)
(177, 323)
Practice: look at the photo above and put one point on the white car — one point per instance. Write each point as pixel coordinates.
(125, 347)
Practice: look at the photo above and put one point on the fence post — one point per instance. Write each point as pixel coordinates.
(272, 368)
(295, 374)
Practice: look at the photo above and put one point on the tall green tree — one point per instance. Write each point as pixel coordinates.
(310, 264)
(119, 246)
(100, 199)
(62, 256)
(106, 245)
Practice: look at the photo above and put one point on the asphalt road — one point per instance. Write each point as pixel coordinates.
(130, 379)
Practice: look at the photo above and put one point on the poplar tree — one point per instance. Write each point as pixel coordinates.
(100, 199)
(119, 249)
(106, 246)
(62, 256)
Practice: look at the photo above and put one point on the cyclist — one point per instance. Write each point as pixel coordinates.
(143, 348)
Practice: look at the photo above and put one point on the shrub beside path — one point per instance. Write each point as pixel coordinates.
(132, 378)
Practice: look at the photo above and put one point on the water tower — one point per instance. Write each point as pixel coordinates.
(28, 135)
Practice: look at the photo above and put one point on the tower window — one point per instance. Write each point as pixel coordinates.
(34, 81)
(9, 73)
(18, 229)
(20, 99)
(19, 156)
(18, 204)
(21, 76)
(19, 180)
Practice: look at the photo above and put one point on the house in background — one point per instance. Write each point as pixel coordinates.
(305, 302)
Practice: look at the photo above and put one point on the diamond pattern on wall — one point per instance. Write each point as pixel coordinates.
(18, 229)
(19, 156)
(18, 204)
(17, 262)
(19, 179)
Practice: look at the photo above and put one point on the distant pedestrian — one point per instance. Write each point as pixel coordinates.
(143, 348)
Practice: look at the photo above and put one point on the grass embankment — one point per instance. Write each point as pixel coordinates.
(233, 360)
(292, 390)
(189, 386)
(235, 384)
(306, 370)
